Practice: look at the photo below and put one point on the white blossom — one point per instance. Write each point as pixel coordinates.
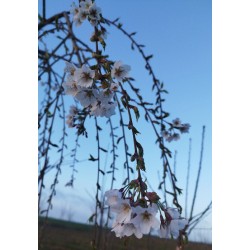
(177, 123)
(170, 137)
(123, 211)
(82, 14)
(173, 212)
(114, 86)
(87, 97)
(74, 9)
(73, 110)
(185, 128)
(94, 14)
(84, 76)
(118, 229)
(172, 228)
(175, 137)
(164, 231)
(85, 5)
(77, 20)
(70, 121)
(113, 196)
(103, 109)
(71, 87)
(167, 135)
(173, 225)
(105, 97)
(127, 229)
(120, 70)
(145, 218)
(70, 68)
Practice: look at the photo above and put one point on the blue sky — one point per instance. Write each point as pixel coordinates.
(178, 33)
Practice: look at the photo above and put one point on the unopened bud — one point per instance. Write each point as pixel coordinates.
(133, 157)
(153, 197)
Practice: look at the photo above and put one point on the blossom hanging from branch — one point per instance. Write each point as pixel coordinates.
(103, 88)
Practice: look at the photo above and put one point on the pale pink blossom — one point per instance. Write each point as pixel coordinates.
(94, 14)
(70, 68)
(120, 70)
(103, 109)
(74, 9)
(185, 128)
(113, 196)
(87, 97)
(85, 5)
(73, 110)
(172, 228)
(145, 218)
(84, 76)
(177, 123)
(123, 211)
(127, 229)
(71, 87)
(70, 121)
(114, 86)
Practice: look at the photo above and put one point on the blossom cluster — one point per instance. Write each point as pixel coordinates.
(96, 95)
(71, 116)
(139, 217)
(171, 134)
(86, 9)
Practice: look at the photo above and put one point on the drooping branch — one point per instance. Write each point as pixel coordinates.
(198, 174)
(187, 179)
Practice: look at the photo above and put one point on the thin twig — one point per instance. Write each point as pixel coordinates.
(198, 175)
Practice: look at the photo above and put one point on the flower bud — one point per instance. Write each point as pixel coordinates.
(134, 184)
(142, 202)
(153, 197)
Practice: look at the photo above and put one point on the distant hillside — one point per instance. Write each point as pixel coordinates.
(64, 235)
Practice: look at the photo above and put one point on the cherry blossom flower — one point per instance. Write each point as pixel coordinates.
(70, 121)
(120, 70)
(87, 97)
(69, 68)
(104, 106)
(113, 196)
(173, 225)
(73, 110)
(70, 117)
(145, 218)
(82, 14)
(94, 14)
(114, 86)
(123, 211)
(84, 76)
(175, 137)
(105, 96)
(173, 213)
(127, 229)
(74, 9)
(103, 109)
(117, 228)
(173, 228)
(77, 19)
(170, 137)
(71, 87)
(167, 135)
(177, 123)
(185, 128)
(85, 5)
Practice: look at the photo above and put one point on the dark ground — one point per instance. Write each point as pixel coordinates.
(63, 235)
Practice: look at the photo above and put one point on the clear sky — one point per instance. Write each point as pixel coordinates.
(178, 33)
